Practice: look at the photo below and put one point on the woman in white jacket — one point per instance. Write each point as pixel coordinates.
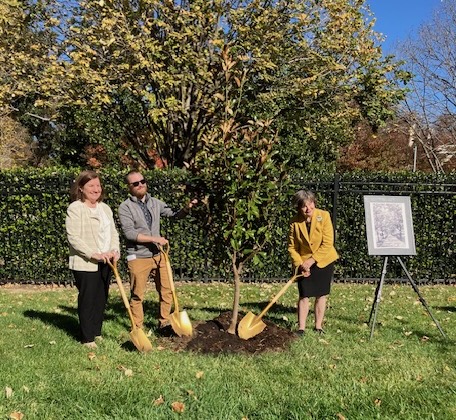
(93, 240)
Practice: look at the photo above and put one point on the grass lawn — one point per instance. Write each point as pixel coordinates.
(408, 371)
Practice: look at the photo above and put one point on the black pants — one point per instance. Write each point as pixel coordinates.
(93, 290)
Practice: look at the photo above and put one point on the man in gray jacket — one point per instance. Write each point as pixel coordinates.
(140, 220)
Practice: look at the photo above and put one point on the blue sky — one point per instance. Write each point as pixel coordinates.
(397, 19)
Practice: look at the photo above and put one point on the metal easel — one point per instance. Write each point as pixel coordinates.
(378, 295)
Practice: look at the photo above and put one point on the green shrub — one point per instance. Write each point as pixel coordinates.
(33, 245)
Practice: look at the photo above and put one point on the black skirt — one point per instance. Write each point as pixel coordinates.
(318, 283)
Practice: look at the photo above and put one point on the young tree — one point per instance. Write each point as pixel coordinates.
(242, 178)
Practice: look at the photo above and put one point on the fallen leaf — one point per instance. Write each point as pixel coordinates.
(8, 392)
(419, 378)
(91, 355)
(407, 333)
(284, 318)
(16, 415)
(159, 401)
(399, 317)
(26, 389)
(160, 348)
(332, 366)
(126, 371)
(192, 394)
(340, 416)
(377, 402)
(199, 374)
(28, 346)
(321, 340)
(178, 406)
(52, 342)
(424, 338)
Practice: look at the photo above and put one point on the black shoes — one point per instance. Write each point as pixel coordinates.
(300, 333)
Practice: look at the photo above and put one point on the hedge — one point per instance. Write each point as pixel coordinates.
(33, 246)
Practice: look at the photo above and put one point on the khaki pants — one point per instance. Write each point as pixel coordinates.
(140, 270)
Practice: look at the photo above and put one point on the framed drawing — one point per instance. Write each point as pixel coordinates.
(389, 225)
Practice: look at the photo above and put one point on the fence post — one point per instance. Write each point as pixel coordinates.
(335, 202)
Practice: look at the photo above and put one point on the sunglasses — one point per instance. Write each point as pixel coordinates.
(136, 183)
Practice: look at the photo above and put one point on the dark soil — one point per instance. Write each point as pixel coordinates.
(211, 337)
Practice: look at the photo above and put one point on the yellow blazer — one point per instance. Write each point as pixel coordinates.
(318, 243)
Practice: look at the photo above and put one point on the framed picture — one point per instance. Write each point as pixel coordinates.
(389, 225)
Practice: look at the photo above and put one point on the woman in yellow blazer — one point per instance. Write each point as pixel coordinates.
(311, 248)
(93, 240)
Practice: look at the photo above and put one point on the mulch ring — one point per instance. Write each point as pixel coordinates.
(211, 337)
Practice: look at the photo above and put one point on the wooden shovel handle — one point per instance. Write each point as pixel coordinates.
(122, 292)
(280, 293)
(165, 253)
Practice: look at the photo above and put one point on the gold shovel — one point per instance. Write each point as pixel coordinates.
(137, 335)
(252, 325)
(180, 321)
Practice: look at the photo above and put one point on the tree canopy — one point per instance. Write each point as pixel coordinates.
(152, 70)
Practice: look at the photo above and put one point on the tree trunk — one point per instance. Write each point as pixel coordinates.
(237, 291)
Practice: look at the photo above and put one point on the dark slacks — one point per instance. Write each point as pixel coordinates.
(93, 290)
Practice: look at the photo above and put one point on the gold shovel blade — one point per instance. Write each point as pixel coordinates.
(250, 326)
(180, 322)
(140, 340)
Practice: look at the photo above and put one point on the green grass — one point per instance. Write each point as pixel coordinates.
(406, 372)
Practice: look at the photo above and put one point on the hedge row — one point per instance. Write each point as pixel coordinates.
(33, 246)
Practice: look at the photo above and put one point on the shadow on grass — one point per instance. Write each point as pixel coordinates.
(67, 323)
(446, 308)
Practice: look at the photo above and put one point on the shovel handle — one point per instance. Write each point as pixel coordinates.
(280, 293)
(165, 253)
(122, 291)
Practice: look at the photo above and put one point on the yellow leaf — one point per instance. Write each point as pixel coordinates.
(159, 401)
(91, 355)
(178, 406)
(340, 416)
(377, 402)
(16, 415)
(8, 392)
(199, 374)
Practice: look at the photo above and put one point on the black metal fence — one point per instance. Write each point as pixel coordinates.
(33, 247)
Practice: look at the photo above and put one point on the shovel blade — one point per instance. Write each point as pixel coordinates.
(140, 340)
(181, 324)
(250, 326)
